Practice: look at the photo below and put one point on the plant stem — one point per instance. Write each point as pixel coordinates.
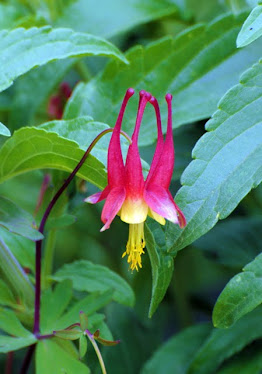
(9, 362)
(98, 353)
(52, 203)
(27, 359)
(83, 70)
(48, 257)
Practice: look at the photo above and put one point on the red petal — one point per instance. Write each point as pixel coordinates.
(134, 181)
(161, 202)
(113, 204)
(181, 217)
(99, 196)
(115, 164)
(160, 140)
(164, 169)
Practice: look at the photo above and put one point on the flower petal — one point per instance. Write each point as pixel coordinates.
(113, 204)
(99, 196)
(161, 202)
(156, 217)
(164, 169)
(134, 180)
(115, 163)
(134, 211)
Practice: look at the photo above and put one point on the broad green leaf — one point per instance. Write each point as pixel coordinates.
(22, 50)
(227, 162)
(162, 264)
(222, 344)
(22, 248)
(52, 358)
(244, 363)
(4, 130)
(184, 66)
(234, 242)
(9, 15)
(15, 276)
(90, 277)
(8, 343)
(17, 220)
(53, 304)
(242, 294)
(113, 17)
(6, 295)
(176, 354)
(89, 305)
(32, 148)
(11, 324)
(252, 28)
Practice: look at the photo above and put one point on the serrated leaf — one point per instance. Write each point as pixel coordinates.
(52, 358)
(184, 66)
(227, 162)
(252, 28)
(4, 130)
(234, 242)
(161, 263)
(222, 344)
(113, 17)
(22, 50)
(176, 354)
(53, 304)
(82, 346)
(17, 220)
(37, 149)
(8, 343)
(242, 294)
(90, 277)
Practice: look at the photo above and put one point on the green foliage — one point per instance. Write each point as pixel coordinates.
(241, 295)
(251, 29)
(4, 130)
(96, 278)
(216, 181)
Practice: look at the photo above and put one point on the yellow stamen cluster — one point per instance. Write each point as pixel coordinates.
(135, 245)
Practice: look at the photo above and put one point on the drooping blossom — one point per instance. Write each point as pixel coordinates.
(127, 193)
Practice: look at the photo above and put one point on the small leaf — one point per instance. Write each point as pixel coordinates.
(17, 220)
(82, 346)
(73, 334)
(38, 46)
(242, 294)
(51, 357)
(252, 28)
(162, 264)
(89, 277)
(107, 343)
(8, 343)
(83, 321)
(176, 354)
(4, 130)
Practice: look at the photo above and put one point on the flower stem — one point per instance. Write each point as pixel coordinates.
(98, 353)
(48, 257)
(27, 359)
(52, 203)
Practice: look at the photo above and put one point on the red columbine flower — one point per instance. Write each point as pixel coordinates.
(127, 193)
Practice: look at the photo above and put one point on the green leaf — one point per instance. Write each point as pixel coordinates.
(226, 165)
(234, 242)
(32, 148)
(82, 346)
(252, 28)
(53, 304)
(17, 220)
(38, 46)
(73, 334)
(162, 264)
(222, 344)
(177, 353)
(6, 295)
(113, 17)
(52, 358)
(89, 305)
(8, 343)
(83, 320)
(184, 66)
(245, 363)
(242, 294)
(11, 324)
(4, 130)
(89, 277)
(60, 222)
